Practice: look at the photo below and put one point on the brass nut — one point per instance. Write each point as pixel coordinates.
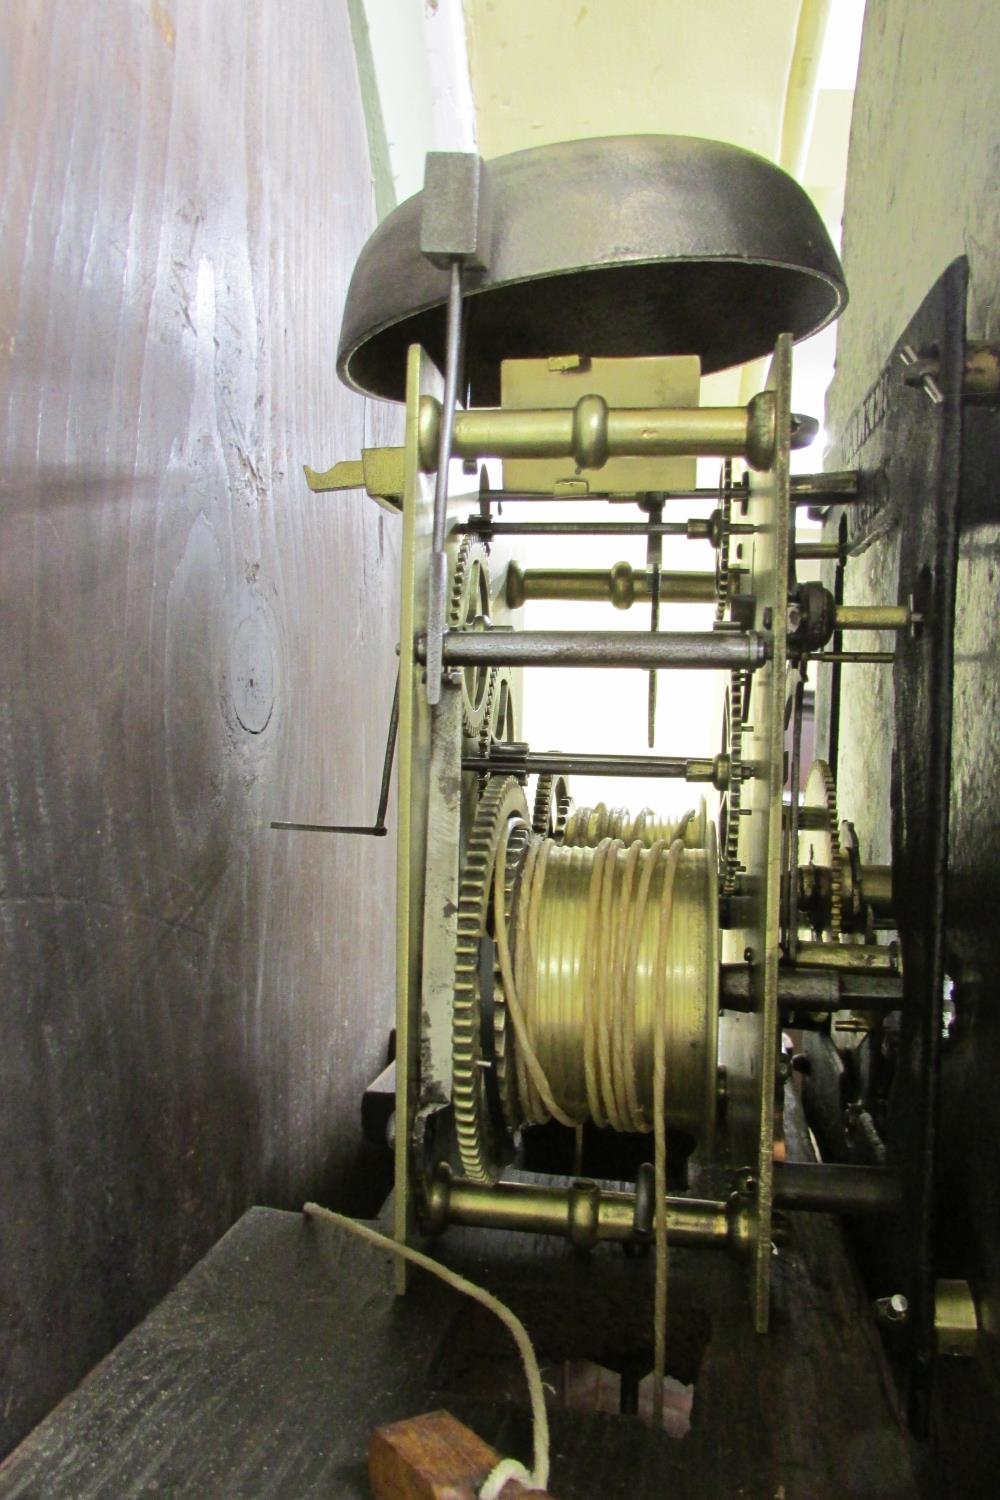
(590, 432)
(621, 586)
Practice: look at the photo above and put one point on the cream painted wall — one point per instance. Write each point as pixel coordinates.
(548, 70)
(422, 92)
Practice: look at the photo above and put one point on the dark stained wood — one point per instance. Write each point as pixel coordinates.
(263, 1374)
(434, 1457)
(267, 1370)
(191, 645)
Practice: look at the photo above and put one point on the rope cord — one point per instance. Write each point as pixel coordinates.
(660, 1144)
(537, 1477)
(529, 1068)
(614, 915)
(581, 963)
(586, 827)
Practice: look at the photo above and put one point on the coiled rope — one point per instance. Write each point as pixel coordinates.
(588, 826)
(619, 881)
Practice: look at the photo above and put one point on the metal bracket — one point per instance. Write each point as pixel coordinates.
(378, 470)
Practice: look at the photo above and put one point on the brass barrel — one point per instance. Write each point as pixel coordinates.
(872, 617)
(591, 432)
(621, 585)
(584, 1213)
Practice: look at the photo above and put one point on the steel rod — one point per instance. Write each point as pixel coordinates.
(855, 656)
(548, 497)
(805, 489)
(378, 829)
(373, 832)
(804, 551)
(822, 1187)
(533, 763)
(437, 580)
(839, 487)
(587, 528)
(692, 650)
(814, 989)
(388, 758)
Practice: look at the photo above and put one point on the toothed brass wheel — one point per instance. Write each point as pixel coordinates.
(819, 844)
(478, 1134)
(723, 576)
(729, 804)
(469, 609)
(500, 720)
(553, 805)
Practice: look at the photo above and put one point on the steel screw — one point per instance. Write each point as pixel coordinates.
(922, 369)
(745, 1182)
(894, 1309)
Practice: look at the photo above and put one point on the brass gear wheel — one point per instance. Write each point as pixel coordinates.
(723, 577)
(502, 1030)
(499, 726)
(733, 718)
(468, 609)
(821, 845)
(502, 800)
(553, 805)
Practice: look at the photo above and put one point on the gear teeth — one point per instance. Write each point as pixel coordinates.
(729, 843)
(552, 806)
(541, 812)
(468, 600)
(836, 865)
(498, 703)
(723, 577)
(823, 843)
(503, 1039)
(502, 798)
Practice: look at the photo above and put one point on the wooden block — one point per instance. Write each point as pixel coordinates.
(434, 1457)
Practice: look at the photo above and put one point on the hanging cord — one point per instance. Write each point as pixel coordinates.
(613, 932)
(537, 1477)
(660, 1142)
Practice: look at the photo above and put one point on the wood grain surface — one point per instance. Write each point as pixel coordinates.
(434, 1457)
(268, 1369)
(191, 645)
